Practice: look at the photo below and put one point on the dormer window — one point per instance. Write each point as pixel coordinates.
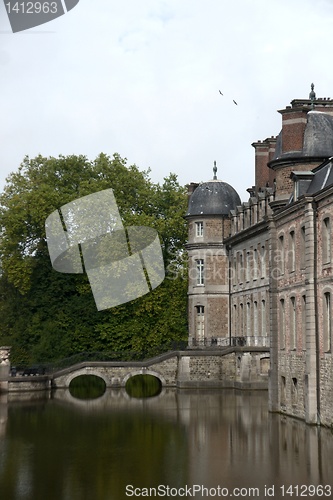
(199, 229)
(302, 181)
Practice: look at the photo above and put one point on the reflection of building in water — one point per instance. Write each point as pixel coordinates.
(234, 442)
(260, 272)
(3, 413)
(181, 437)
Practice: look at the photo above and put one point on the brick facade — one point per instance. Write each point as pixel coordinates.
(276, 261)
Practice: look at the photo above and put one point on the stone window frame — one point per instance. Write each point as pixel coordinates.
(281, 250)
(302, 238)
(240, 266)
(283, 392)
(303, 319)
(241, 318)
(326, 239)
(200, 322)
(294, 390)
(199, 229)
(248, 319)
(255, 263)
(282, 323)
(255, 319)
(263, 257)
(234, 319)
(247, 265)
(292, 250)
(293, 322)
(263, 318)
(327, 320)
(200, 272)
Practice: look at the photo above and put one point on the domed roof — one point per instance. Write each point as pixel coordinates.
(214, 197)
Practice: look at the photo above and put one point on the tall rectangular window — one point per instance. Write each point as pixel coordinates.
(199, 229)
(326, 236)
(248, 266)
(200, 272)
(255, 264)
(282, 324)
(240, 267)
(291, 253)
(241, 310)
(263, 261)
(292, 323)
(263, 318)
(255, 318)
(327, 326)
(302, 248)
(304, 322)
(200, 322)
(248, 319)
(281, 253)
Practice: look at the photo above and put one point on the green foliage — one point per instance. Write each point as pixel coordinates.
(47, 315)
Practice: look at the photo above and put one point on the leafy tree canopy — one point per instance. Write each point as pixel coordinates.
(47, 315)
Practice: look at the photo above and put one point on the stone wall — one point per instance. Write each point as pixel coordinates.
(232, 367)
(326, 392)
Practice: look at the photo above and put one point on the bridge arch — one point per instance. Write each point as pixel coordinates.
(133, 373)
(79, 373)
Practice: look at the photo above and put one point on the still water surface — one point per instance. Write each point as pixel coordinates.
(62, 447)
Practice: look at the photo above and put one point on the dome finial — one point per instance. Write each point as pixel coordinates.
(215, 170)
(312, 95)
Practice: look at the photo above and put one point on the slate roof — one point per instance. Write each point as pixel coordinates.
(214, 197)
(318, 138)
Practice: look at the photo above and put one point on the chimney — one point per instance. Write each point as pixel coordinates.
(264, 152)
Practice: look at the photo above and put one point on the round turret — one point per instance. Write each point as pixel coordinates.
(214, 197)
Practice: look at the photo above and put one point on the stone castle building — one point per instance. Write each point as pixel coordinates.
(261, 271)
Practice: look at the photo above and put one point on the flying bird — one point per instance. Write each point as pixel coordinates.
(232, 100)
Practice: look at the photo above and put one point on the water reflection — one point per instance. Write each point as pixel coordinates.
(66, 448)
(143, 386)
(87, 387)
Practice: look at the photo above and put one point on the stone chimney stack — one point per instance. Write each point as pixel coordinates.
(264, 152)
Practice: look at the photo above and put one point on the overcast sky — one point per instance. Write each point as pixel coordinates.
(142, 78)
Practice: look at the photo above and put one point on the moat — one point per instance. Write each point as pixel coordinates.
(61, 447)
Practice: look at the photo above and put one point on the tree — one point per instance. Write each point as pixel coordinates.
(49, 315)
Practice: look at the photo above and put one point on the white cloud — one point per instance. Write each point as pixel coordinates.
(142, 79)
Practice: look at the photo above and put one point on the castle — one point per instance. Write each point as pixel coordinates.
(261, 271)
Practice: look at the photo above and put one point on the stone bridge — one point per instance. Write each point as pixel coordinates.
(238, 367)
